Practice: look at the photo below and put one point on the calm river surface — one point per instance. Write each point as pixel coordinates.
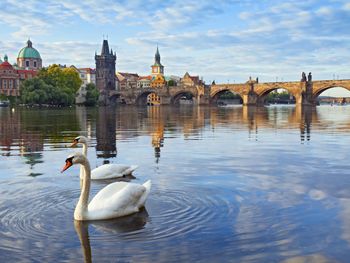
(228, 184)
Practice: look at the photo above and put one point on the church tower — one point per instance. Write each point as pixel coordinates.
(105, 73)
(157, 67)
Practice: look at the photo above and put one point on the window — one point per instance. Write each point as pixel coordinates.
(34, 64)
(27, 63)
(10, 84)
(4, 83)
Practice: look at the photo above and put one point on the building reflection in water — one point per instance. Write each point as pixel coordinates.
(15, 133)
(157, 129)
(106, 146)
(28, 129)
(86, 120)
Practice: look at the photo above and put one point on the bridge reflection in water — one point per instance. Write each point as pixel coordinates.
(158, 121)
(110, 124)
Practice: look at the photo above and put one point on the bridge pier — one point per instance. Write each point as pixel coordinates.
(306, 95)
(165, 100)
(250, 99)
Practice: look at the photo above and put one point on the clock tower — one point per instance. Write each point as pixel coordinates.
(157, 67)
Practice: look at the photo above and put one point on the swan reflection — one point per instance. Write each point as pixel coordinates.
(120, 225)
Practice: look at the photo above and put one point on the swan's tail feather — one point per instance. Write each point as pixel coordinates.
(130, 169)
(143, 198)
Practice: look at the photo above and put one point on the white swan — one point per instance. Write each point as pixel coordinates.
(105, 171)
(114, 200)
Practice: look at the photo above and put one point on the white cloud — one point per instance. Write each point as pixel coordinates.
(268, 39)
(346, 6)
(324, 11)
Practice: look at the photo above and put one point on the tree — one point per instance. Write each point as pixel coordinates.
(171, 83)
(53, 86)
(276, 96)
(91, 95)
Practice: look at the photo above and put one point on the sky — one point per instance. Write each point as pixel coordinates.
(225, 41)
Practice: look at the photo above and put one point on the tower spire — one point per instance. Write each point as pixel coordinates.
(157, 56)
(105, 48)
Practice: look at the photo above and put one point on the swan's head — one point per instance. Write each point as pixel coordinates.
(79, 139)
(75, 158)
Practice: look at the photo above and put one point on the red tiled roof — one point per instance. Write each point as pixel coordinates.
(145, 77)
(194, 78)
(26, 71)
(6, 65)
(90, 70)
(126, 74)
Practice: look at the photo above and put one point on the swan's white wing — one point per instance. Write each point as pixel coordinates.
(143, 198)
(111, 170)
(116, 199)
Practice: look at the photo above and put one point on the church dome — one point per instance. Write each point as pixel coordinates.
(29, 51)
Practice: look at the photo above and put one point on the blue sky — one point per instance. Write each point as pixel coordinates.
(226, 41)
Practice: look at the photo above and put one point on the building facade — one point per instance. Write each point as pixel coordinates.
(9, 79)
(105, 73)
(87, 75)
(189, 80)
(158, 81)
(144, 82)
(127, 80)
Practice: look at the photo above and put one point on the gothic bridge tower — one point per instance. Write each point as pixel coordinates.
(105, 73)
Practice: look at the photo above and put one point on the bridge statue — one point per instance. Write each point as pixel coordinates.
(309, 77)
(303, 77)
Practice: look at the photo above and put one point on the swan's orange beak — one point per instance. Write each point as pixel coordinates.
(67, 165)
(74, 143)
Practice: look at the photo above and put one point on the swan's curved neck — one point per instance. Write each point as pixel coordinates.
(85, 154)
(85, 149)
(81, 208)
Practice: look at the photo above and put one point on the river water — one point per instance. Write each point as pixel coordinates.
(231, 184)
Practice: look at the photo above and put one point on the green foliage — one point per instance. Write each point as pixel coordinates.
(275, 96)
(171, 83)
(52, 86)
(91, 95)
(11, 99)
(229, 95)
(3, 97)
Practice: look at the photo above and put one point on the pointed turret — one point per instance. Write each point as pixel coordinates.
(157, 57)
(105, 48)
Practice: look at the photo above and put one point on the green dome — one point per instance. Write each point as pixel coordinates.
(29, 51)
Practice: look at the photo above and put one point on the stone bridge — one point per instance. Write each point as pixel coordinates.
(251, 92)
(168, 95)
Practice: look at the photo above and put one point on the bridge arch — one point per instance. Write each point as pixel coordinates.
(214, 98)
(141, 99)
(114, 97)
(175, 99)
(264, 93)
(318, 90)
